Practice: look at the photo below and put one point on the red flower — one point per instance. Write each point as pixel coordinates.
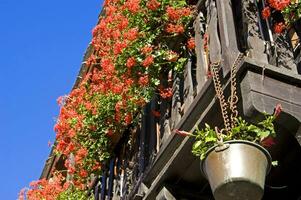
(156, 113)
(191, 43)
(172, 13)
(279, 4)
(83, 173)
(279, 27)
(110, 132)
(171, 28)
(182, 133)
(132, 34)
(133, 5)
(128, 118)
(166, 93)
(130, 62)
(143, 80)
(278, 110)
(71, 170)
(148, 61)
(153, 5)
(266, 12)
(268, 142)
(175, 14)
(146, 49)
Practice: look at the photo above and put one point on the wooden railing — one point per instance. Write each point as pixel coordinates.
(219, 37)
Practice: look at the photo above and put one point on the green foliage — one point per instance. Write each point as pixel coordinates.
(75, 194)
(292, 13)
(207, 137)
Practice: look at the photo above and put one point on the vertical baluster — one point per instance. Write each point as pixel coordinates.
(117, 181)
(96, 192)
(188, 85)
(111, 179)
(143, 146)
(227, 34)
(176, 102)
(103, 185)
(202, 64)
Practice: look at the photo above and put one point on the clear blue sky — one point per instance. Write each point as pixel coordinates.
(41, 48)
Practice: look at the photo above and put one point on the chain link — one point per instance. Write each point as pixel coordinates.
(231, 104)
(220, 94)
(233, 99)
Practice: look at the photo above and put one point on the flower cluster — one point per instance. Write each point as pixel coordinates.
(133, 44)
(44, 189)
(289, 9)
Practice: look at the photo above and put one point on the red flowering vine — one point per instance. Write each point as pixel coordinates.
(290, 10)
(130, 51)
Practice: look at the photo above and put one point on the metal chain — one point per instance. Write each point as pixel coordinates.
(220, 95)
(230, 105)
(233, 99)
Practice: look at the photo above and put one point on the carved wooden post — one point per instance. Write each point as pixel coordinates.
(201, 60)
(252, 31)
(215, 43)
(188, 86)
(284, 53)
(227, 34)
(111, 178)
(175, 103)
(103, 185)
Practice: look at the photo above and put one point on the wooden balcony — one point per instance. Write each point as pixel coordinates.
(152, 162)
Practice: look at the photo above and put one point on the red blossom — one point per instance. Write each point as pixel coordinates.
(268, 142)
(278, 110)
(279, 27)
(132, 5)
(175, 14)
(143, 80)
(153, 5)
(279, 4)
(132, 34)
(128, 118)
(131, 62)
(266, 12)
(166, 93)
(156, 113)
(182, 133)
(174, 28)
(146, 49)
(149, 60)
(191, 43)
(83, 173)
(110, 132)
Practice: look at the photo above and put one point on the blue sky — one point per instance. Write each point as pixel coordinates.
(41, 48)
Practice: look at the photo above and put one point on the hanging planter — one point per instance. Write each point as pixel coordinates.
(233, 158)
(237, 170)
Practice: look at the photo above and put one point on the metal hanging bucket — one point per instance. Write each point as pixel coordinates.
(238, 171)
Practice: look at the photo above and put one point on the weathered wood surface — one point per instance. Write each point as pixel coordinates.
(252, 30)
(284, 56)
(214, 40)
(188, 86)
(176, 102)
(227, 34)
(202, 64)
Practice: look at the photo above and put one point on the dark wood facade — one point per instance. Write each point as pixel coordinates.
(152, 162)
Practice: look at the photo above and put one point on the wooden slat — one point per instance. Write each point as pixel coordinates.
(111, 179)
(227, 34)
(202, 64)
(103, 185)
(188, 86)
